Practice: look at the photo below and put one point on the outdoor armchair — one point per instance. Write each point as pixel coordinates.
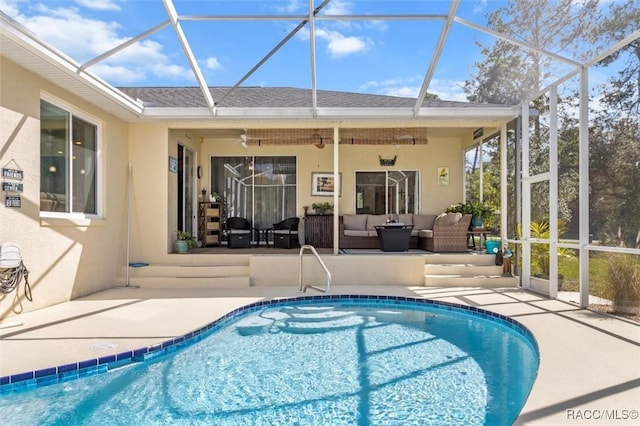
(285, 233)
(239, 232)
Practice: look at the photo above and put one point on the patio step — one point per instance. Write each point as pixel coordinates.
(465, 270)
(195, 275)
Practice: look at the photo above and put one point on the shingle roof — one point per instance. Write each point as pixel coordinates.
(273, 97)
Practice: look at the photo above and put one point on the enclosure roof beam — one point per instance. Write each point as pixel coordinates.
(444, 34)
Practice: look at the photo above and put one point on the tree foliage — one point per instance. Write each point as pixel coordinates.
(509, 74)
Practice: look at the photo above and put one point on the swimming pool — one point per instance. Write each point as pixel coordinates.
(310, 360)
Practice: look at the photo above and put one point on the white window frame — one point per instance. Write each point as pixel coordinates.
(75, 112)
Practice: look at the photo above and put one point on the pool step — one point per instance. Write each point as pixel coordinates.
(464, 270)
(216, 274)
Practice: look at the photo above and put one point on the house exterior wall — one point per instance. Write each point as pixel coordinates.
(70, 257)
(67, 258)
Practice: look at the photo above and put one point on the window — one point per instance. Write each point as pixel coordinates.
(387, 192)
(68, 162)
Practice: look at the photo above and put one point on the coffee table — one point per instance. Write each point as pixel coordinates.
(394, 236)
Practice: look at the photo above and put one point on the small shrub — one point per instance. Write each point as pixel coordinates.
(623, 276)
(322, 208)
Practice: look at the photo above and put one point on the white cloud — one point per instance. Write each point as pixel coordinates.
(290, 6)
(341, 45)
(212, 63)
(399, 86)
(85, 38)
(338, 7)
(448, 90)
(99, 4)
(480, 6)
(10, 7)
(120, 74)
(403, 91)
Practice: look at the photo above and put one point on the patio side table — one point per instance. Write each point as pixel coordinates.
(471, 238)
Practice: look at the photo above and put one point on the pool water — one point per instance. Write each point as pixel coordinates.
(338, 362)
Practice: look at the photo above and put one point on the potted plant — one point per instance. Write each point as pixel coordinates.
(215, 197)
(185, 242)
(322, 208)
(462, 208)
(481, 212)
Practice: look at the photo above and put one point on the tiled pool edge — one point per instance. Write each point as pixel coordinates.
(51, 375)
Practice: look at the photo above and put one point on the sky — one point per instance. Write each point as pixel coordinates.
(373, 56)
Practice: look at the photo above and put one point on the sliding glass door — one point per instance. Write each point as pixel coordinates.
(260, 189)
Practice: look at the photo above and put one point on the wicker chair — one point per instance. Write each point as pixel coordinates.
(239, 232)
(447, 237)
(285, 233)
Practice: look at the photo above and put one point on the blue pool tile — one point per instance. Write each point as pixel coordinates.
(124, 355)
(88, 363)
(140, 352)
(67, 367)
(47, 380)
(68, 376)
(20, 377)
(89, 371)
(45, 372)
(106, 359)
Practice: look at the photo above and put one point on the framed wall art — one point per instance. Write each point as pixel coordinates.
(173, 164)
(322, 183)
(443, 175)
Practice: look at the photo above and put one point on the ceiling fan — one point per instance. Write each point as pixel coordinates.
(243, 139)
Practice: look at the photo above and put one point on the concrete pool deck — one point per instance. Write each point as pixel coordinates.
(589, 367)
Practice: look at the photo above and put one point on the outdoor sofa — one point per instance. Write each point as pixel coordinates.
(444, 232)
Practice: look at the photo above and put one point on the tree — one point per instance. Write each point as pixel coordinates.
(510, 74)
(615, 133)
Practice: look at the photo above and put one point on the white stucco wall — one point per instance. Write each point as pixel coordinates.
(67, 258)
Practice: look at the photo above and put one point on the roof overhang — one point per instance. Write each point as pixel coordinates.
(467, 116)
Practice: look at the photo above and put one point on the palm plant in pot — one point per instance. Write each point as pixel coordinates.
(185, 242)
